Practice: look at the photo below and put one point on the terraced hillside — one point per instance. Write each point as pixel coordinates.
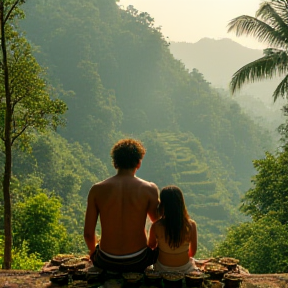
(185, 163)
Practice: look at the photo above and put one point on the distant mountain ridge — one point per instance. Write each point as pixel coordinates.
(208, 55)
(218, 60)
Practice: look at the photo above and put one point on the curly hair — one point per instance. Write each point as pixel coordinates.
(127, 153)
(175, 217)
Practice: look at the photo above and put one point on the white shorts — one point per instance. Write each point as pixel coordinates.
(190, 266)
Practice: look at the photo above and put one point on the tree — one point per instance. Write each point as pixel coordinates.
(261, 246)
(37, 223)
(22, 259)
(24, 98)
(270, 192)
(269, 25)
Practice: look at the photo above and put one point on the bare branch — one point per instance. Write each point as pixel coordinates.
(19, 133)
(27, 124)
(14, 103)
(10, 11)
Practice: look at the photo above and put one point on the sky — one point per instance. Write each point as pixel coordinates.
(191, 20)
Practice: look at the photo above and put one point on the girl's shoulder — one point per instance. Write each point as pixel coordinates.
(192, 222)
(192, 225)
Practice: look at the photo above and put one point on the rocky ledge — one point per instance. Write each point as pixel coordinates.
(72, 271)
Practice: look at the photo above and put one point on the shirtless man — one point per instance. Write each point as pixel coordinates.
(123, 203)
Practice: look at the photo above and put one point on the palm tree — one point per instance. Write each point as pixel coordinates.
(269, 25)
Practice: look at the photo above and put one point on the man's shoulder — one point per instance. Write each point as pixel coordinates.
(100, 185)
(150, 188)
(147, 184)
(104, 182)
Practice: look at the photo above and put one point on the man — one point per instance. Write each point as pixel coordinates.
(123, 203)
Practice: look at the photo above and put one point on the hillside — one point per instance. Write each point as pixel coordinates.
(218, 60)
(185, 162)
(119, 79)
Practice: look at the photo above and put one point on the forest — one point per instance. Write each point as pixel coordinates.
(112, 75)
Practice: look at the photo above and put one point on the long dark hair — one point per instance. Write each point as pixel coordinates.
(175, 217)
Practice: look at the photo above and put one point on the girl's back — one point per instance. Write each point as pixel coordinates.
(173, 257)
(175, 234)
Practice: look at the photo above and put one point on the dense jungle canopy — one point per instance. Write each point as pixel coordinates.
(114, 70)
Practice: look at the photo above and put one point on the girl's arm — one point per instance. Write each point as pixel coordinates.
(193, 239)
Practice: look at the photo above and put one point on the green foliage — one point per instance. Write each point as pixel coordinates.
(73, 219)
(124, 82)
(25, 100)
(24, 261)
(180, 158)
(69, 170)
(270, 192)
(125, 63)
(93, 116)
(159, 164)
(34, 109)
(270, 26)
(261, 246)
(21, 257)
(36, 221)
(283, 128)
(13, 10)
(65, 168)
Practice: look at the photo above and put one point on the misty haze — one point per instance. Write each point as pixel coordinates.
(122, 77)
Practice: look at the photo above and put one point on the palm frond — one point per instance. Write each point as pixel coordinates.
(248, 25)
(273, 61)
(272, 14)
(281, 6)
(282, 89)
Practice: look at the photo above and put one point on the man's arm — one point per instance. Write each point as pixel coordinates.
(91, 221)
(152, 242)
(153, 203)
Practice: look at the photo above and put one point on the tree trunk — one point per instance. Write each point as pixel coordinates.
(7, 208)
(8, 148)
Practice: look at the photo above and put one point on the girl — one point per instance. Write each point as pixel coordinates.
(175, 234)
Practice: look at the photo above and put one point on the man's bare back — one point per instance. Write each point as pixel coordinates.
(123, 203)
